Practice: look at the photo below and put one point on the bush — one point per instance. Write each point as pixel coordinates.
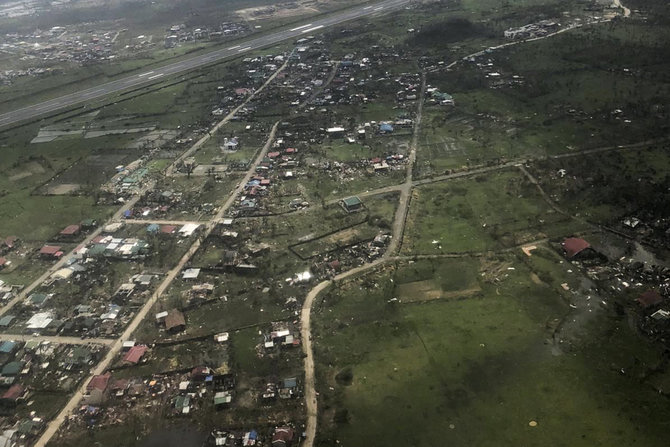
(345, 376)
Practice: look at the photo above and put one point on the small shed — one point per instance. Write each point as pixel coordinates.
(352, 204)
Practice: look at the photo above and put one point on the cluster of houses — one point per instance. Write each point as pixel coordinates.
(27, 370)
(179, 34)
(532, 30)
(650, 283)
(280, 436)
(279, 165)
(7, 246)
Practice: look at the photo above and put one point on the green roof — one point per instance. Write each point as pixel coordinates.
(27, 426)
(6, 320)
(97, 250)
(12, 368)
(38, 298)
(352, 201)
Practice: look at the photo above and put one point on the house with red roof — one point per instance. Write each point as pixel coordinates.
(51, 251)
(135, 354)
(168, 229)
(10, 243)
(70, 230)
(573, 246)
(650, 298)
(96, 389)
(282, 437)
(15, 393)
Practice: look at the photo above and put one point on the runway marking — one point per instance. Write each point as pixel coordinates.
(145, 74)
(367, 7)
(232, 48)
(301, 27)
(312, 29)
(378, 8)
(156, 76)
(243, 49)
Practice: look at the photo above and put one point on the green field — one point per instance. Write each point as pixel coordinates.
(476, 371)
(490, 211)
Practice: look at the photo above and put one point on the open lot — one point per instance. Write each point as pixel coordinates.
(437, 370)
(487, 212)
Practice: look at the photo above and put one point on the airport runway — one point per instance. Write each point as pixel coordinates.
(155, 74)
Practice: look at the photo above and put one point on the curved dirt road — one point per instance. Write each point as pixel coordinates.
(306, 311)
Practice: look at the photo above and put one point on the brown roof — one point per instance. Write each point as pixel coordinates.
(10, 241)
(14, 392)
(119, 384)
(99, 382)
(49, 249)
(282, 436)
(168, 229)
(649, 298)
(3, 261)
(174, 319)
(134, 354)
(574, 245)
(70, 230)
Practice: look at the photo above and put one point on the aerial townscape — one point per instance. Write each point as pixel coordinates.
(329, 223)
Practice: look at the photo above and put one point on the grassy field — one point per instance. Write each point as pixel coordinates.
(477, 370)
(487, 212)
(577, 90)
(597, 186)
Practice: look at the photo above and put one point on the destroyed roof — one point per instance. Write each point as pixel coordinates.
(282, 436)
(649, 298)
(174, 319)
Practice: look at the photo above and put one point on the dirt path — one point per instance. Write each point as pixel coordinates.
(163, 222)
(305, 314)
(116, 345)
(617, 3)
(170, 171)
(57, 339)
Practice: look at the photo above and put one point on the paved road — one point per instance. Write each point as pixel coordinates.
(182, 66)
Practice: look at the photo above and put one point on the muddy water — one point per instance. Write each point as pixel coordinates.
(615, 247)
